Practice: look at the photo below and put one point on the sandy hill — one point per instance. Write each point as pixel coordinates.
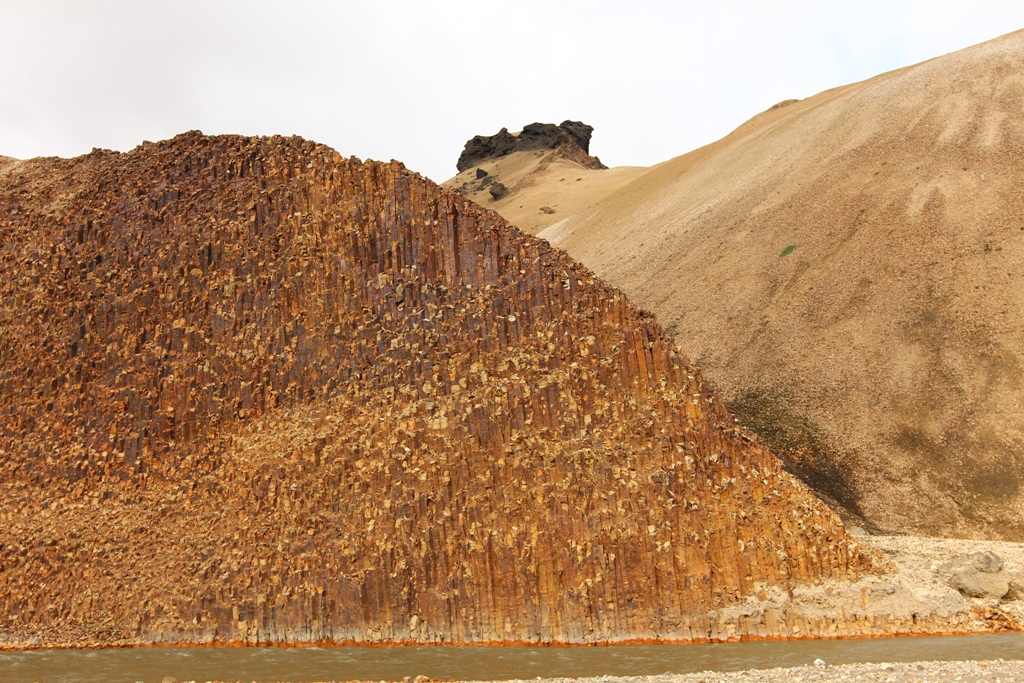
(253, 391)
(539, 179)
(847, 269)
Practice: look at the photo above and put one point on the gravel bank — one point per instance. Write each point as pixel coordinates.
(998, 671)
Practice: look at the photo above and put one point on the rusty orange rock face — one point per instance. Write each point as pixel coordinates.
(253, 391)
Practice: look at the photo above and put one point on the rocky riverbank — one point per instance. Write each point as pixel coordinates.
(998, 671)
(916, 672)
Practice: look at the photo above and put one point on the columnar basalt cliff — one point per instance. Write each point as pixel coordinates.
(253, 391)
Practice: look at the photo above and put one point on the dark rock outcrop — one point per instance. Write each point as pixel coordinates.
(571, 136)
(253, 391)
(481, 147)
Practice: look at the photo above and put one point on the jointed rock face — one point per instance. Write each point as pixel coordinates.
(251, 390)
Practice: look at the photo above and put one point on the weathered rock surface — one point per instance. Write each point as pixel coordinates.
(571, 138)
(253, 391)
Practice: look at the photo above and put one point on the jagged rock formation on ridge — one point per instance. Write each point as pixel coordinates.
(253, 391)
(538, 176)
(570, 138)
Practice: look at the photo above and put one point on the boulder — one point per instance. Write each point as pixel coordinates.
(498, 190)
(975, 584)
(978, 575)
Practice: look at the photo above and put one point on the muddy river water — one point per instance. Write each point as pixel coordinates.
(478, 663)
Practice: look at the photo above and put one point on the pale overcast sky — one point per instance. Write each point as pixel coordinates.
(413, 80)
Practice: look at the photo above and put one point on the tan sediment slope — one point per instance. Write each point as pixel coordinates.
(544, 186)
(849, 272)
(252, 391)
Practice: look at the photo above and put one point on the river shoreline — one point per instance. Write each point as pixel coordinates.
(628, 664)
(489, 644)
(914, 672)
(989, 671)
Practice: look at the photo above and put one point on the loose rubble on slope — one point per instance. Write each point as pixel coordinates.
(253, 392)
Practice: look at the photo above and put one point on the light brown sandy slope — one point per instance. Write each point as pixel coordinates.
(544, 187)
(882, 356)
